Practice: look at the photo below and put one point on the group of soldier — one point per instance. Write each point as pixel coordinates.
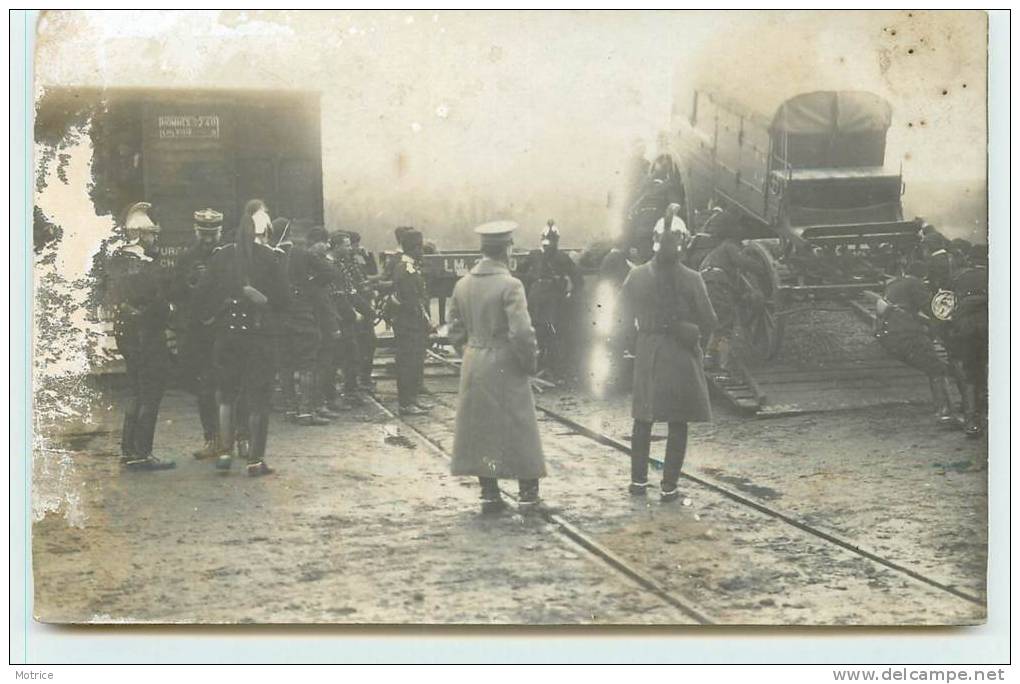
(272, 305)
(287, 305)
(941, 298)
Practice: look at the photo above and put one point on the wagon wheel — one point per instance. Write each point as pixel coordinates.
(762, 327)
(759, 302)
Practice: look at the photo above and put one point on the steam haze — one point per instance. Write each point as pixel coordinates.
(445, 119)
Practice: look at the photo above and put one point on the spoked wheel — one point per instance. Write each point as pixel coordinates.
(762, 326)
(758, 309)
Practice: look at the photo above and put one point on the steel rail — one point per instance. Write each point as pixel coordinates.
(578, 536)
(606, 440)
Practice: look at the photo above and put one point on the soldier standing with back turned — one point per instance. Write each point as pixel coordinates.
(244, 286)
(497, 430)
(673, 313)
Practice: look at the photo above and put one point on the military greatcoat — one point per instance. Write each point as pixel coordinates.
(669, 382)
(497, 429)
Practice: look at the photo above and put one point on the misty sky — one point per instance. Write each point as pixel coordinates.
(535, 112)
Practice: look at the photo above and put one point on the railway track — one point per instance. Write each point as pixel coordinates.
(769, 511)
(586, 542)
(647, 579)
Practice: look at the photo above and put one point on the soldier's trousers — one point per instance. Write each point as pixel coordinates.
(147, 364)
(196, 365)
(411, 344)
(302, 341)
(640, 448)
(366, 348)
(244, 367)
(325, 372)
(349, 357)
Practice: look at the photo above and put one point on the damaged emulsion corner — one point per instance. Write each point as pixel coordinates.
(66, 330)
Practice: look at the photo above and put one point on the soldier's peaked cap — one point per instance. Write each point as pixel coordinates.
(208, 219)
(496, 232)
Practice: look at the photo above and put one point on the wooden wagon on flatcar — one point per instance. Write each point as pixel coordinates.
(808, 169)
(804, 170)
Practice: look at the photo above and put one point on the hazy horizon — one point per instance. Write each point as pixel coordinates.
(441, 119)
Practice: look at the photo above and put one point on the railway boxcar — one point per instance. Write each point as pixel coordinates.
(183, 150)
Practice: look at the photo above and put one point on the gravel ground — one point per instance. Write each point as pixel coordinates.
(883, 478)
(362, 524)
(741, 566)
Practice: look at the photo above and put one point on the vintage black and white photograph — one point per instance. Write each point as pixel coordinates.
(569, 317)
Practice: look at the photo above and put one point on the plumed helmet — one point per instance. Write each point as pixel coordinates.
(550, 234)
(136, 218)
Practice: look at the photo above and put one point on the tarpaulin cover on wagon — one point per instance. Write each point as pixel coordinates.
(826, 112)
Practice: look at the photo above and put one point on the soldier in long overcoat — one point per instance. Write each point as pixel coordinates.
(496, 434)
(673, 313)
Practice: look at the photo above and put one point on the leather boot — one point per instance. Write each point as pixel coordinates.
(943, 406)
(127, 435)
(258, 428)
(145, 427)
(640, 447)
(492, 498)
(527, 496)
(208, 416)
(676, 451)
(306, 414)
(210, 450)
(972, 421)
(226, 445)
